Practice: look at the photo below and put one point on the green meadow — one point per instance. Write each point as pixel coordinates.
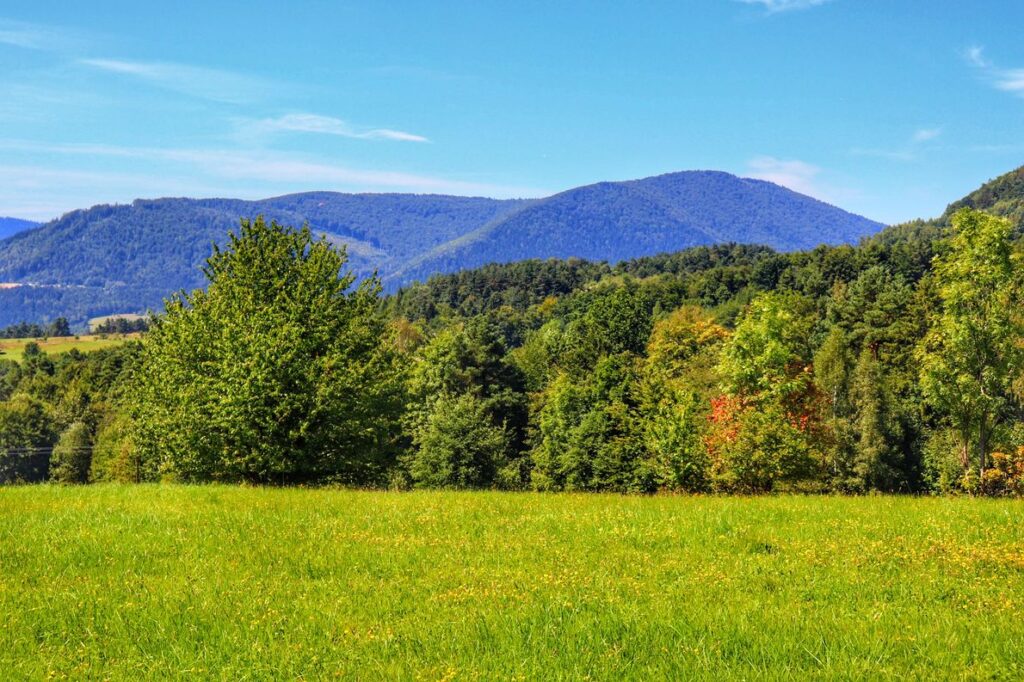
(14, 349)
(163, 581)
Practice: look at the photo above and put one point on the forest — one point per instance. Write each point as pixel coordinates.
(891, 366)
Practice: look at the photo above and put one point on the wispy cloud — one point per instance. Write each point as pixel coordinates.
(37, 36)
(776, 6)
(205, 83)
(975, 55)
(803, 177)
(1008, 80)
(906, 152)
(925, 134)
(160, 171)
(326, 125)
(1011, 81)
(798, 176)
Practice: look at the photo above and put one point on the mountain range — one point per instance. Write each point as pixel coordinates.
(128, 258)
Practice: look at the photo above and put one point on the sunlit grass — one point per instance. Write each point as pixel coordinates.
(236, 583)
(14, 349)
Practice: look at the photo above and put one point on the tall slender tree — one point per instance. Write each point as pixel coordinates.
(972, 351)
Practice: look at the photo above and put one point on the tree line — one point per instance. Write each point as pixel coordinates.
(892, 366)
(31, 330)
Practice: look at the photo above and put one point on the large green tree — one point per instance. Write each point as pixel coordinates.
(972, 352)
(280, 371)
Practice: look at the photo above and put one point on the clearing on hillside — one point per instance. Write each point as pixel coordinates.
(14, 349)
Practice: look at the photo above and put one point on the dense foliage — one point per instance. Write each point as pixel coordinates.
(121, 325)
(892, 366)
(31, 330)
(279, 371)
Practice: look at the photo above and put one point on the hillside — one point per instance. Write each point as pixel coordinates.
(1003, 196)
(12, 226)
(126, 258)
(615, 221)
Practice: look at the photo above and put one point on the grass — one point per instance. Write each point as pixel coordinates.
(241, 583)
(13, 349)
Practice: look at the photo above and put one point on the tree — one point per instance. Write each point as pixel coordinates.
(461, 371)
(877, 461)
(114, 455)
(72, 456)
(281, 371)
(59, 327)
(590, 434)
(678, 380)
(766, 428)
(833, 370)
(614, 320)
(762, 449)
(459, 446)
(26, 437)
(972, 351)
(769, 355)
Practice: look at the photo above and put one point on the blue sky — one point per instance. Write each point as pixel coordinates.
(890, 109)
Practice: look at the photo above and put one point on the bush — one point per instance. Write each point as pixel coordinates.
(72, 456)
(459, 447)
(114, 456)
(761, 450)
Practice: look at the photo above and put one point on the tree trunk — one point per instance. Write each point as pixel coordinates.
(982, 447)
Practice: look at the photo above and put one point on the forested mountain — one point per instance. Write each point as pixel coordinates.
(614, 221)
(127, 258)
(12, 226)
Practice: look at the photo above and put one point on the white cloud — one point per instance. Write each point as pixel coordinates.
(212, 84)
(37, 36)
(1007, 80)
(907, 152)
(803, 177)
(976, 56)
(153, 172)
(326, 125)
(798, 176)
(776, 6)
(925, 134)
(1011, 81)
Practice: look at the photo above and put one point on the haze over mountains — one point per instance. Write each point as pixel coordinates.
(128, 258)
(12, 226)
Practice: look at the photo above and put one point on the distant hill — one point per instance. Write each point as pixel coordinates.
(125, 258)
(1003, 196)
(12, 226)
(615, 221)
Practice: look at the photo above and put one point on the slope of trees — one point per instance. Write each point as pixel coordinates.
(893, 366)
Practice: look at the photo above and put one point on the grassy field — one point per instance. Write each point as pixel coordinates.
(13, 348)
(241, 583)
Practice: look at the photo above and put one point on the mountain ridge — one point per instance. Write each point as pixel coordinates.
(128, 257)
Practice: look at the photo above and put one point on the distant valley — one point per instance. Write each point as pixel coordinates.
(12, 226)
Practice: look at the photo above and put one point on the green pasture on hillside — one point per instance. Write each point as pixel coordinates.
(13, 349)
(130, 583)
